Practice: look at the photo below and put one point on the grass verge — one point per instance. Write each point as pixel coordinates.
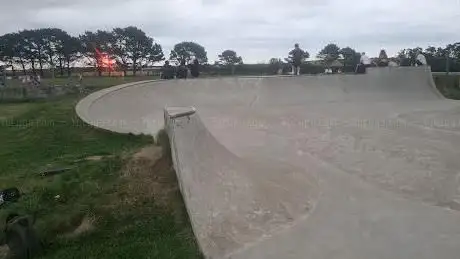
(119, 198)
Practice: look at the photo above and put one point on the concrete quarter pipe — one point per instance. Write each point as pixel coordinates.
(340, 166)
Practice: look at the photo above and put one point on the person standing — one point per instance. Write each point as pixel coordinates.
(420, 60)
(195, 68)
(365, 60)
(80, 78)
(364, 63)
(167, 71)
(383, 59)
(297, 55)
(182, 70)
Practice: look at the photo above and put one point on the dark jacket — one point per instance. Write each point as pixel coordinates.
(195, 69)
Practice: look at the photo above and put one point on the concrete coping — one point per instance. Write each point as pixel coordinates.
(177, 112)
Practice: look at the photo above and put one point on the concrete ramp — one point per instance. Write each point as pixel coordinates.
(232, 203)
(322, 167)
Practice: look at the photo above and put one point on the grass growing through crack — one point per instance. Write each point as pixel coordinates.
(113, 202)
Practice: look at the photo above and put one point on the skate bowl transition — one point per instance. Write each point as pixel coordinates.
(321, 167)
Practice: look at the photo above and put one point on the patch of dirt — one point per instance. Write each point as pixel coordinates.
(152, 153)
(86, 225)
(150, 177)
(94, 158)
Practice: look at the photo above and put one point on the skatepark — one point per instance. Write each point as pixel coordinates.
(327, 166)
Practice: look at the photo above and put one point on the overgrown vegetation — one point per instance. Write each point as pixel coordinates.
(119, 198)
(448, 85)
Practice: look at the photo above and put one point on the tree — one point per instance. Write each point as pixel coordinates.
(8, 47)
(383, 61)
(414, 52)
(70, 52)
(132, 47)
(407, 57)
(102, 40)
(50, 42)
(440, 59)
(350, 58)
(454, 50)
(186, 51)
(404, 59)
(56, 43)
(36, 47)
(31, 53)
(440, 52)
(383, 54)
(19, 51)
(430, 51)
(229, 57)
(329, 53)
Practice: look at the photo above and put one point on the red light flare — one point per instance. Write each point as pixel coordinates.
(104, 61)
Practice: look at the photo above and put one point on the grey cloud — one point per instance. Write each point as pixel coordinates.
(258, 29)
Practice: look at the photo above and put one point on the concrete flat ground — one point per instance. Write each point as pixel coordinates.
(337, 166)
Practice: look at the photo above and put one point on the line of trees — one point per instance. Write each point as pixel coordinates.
(133, 49)
(328, 55)
(129, 47)
(440, 59)
(39, 48)
(54, 48)
(332, 52)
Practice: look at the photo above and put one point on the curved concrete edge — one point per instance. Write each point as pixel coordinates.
(426, 72)
(433, 84)
(83, 106)
(233, 204)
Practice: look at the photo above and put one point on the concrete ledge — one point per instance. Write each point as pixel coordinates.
(176, 112)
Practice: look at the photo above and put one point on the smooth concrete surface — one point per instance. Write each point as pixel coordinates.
(336, 166)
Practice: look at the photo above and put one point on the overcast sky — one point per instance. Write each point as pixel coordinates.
(256, 29)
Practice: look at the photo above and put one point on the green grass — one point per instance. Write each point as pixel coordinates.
(448, 85)
(16, 91)
(127, 222)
